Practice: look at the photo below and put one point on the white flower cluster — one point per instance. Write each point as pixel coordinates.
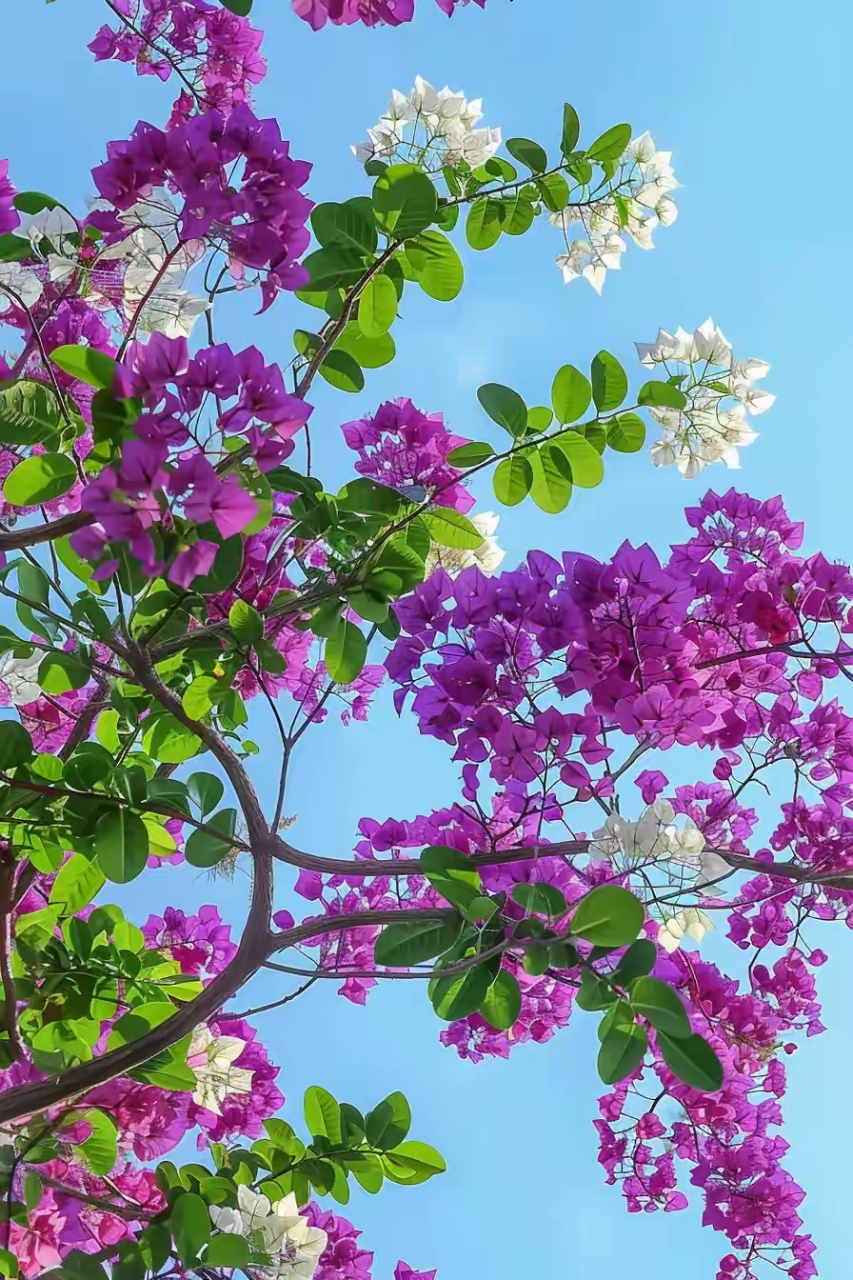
(278, 1229)
(488, 557)
(707, 429)
(211, 1059)
(638, 203)
(430, 127)
(20, 676)
(690, 922)
(655, 837)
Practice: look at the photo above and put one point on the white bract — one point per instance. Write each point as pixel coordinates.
(431, 127)
(211, 1059)
(23, 285)
(691, 921)
(720, 392)
(278, 1229)
(488, 556)
(20, 676)
(638, 202)
(657, 837)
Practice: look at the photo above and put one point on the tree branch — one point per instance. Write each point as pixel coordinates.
(34, 534)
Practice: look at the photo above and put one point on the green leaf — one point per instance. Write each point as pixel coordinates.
(342, 371)
(206, 850)
(627, 433)
(227, 1250)
(346, 652)
(371, 353)
(100, 1149)
(169, 741)
(609, 382)
(622, 1050)
(539, 419)
(502, 1004)
(571, 130)
(584, 460)
(61, 672)
(370, 498)
(546, 899)
(270, 658)
(570, 394)
(28, 414)
(38, 479)
(513, 480)
(608, 917)
(518, 215)
(483, 228)
(441, 274)
(322, 1114)
(401, 945)
(14, 249)
(377, 306)
(528, 153)
(416, 1157)
(86, 364)
(662, 395)
(638, 960)
(334, 268)
(33, 1190)
(660, 1005)
(226, 566)
(76, 565)
(470, 455)
(16, 745)
(449, 528)
(553, 191)
(76, 884)
(611, 145)
(505, 407)
(246, 623)
(138, 1022)
(206, 790)
(405, 201)
(461, 995)
(387, 1125)
(242, 8)
(345, 226)
(122, 845)
(368, 1173)
(190, 1223)
(452, 874)
(33, 202)
(693, 1061)
(552, 479)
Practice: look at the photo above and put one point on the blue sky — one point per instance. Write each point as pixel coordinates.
(752, 100)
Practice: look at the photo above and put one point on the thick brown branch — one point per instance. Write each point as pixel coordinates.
(33, 534)
(126, 1211)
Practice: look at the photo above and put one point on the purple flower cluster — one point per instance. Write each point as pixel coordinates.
(9, 218)
(215, 52)
(260, 215)
(343, 1259)
(371, 12)
(407, 450)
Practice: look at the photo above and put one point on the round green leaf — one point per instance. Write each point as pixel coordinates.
(470, 455)
(483, 227)
(87, 364)
(322, 1114)
(571, 130)
(122, 845)
(377, 306)
(622, 1050)
(528, 153)
(584, 460)
(203, 849)
(553, 191)
(61, 672)
(662, 394)
(449, 528)
(333, 269)
(226, 1250)
(609, 382)
(552, 479)
(608, 917)
(401, 945)
(505, 407)
(502, 1005)
(545, 899)
(539, 419)
(693, 1061)
(170, 742)
(459, 996)
(518, 215)
(627, 433)
(206, 790)
(345, 226)
(342, 371)
(39, 479)
(190, 1223)
(245, 622)
(512, 480)
(77, 883)
(570, 394)
(405, 200)
(660, 1005)
(371, 353)
(387, 1125)
(346, 652)
(16, 745)
(441, 272)
(611, 145)
(638, 960)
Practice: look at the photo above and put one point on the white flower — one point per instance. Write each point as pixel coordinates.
(279, 1229)
(592, 258)
(47, 224)
(20, 676)
(24, 283)
(211, 1059)
(488, 556)
(434, 127)
(690, 921)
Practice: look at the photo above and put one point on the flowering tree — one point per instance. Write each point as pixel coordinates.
(169, 556)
